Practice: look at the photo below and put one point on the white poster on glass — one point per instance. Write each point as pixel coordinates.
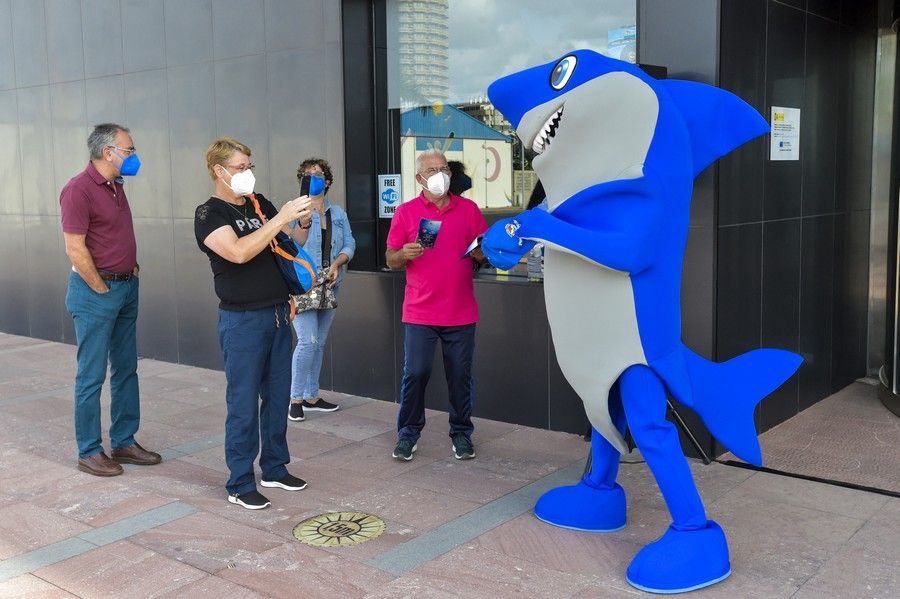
(785, 136)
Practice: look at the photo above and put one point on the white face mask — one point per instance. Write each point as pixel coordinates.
(438, 183)
(242, 183)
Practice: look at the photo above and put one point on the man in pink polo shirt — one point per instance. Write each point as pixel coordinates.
(439, 302)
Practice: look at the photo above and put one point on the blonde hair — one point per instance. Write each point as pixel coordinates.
(220, 152)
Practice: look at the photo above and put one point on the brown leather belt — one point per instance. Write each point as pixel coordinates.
(115, 276)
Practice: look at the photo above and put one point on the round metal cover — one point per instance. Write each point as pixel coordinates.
(339, 529)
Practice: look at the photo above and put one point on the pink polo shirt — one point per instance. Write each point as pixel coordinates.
(439, 289)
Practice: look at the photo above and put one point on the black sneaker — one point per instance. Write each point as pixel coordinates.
(462, 447)
(320, 406)
(404, 450)
(296, 412)
(254, 500)
(288, 482)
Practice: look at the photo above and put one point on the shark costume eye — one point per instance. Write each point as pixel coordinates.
(562, 71)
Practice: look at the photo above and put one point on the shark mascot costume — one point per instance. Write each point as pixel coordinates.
(617, 153)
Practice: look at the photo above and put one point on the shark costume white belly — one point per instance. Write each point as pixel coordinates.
(595, 331)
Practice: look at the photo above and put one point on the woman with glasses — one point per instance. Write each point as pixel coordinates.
(254, 319)
(330, 243)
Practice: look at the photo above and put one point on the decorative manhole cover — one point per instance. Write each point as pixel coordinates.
(339, 529)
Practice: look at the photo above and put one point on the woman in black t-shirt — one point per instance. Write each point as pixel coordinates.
(254, 322)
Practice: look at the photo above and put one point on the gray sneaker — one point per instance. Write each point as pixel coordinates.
(404, 450)
(462, 447)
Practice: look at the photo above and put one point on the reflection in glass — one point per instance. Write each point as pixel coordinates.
(443, 54)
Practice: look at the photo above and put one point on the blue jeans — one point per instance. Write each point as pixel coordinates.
(458, 345)
(105, 332)
(312, 328)
(256, 345)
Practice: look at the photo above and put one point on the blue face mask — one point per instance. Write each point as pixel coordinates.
(130, 166)
(316, 185)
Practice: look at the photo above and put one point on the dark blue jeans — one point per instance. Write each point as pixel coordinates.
(256, 345)
(105, 332)
(458, 346)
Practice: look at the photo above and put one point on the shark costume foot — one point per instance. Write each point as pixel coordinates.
(582, 507)
(681, 561)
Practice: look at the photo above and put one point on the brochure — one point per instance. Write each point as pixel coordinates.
(428, 232)
(474, 250)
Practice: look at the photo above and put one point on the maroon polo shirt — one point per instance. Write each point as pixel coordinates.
(92, 206)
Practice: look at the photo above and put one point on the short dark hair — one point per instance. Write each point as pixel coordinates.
(321, 163)
(457, 168)
(460, 182)
(103, 135)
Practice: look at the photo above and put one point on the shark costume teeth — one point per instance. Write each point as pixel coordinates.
(618, 171)
(548, 131)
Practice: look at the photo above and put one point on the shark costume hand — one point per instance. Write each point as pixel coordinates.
(504, 243)
(617, 152)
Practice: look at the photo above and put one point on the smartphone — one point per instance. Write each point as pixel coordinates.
(311, 185)
(304, 185)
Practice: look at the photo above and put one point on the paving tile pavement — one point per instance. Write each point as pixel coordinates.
(167, 531)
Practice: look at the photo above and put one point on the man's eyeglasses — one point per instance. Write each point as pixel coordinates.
(126, 151)
(240, 167)
(434, 170)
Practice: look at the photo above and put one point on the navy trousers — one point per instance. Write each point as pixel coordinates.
(256, 345)
(458, 346)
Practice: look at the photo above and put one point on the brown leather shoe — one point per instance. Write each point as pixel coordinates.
(99, 464)
(135, 454)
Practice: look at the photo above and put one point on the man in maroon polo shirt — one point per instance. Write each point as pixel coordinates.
(102, 298)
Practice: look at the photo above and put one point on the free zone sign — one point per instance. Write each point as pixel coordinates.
(388, 195)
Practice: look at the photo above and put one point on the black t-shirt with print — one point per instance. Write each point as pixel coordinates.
(254, 284)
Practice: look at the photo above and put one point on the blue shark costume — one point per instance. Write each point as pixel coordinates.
(617, 153)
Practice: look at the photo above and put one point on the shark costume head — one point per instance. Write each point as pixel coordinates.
(617, 153)
(588, 112)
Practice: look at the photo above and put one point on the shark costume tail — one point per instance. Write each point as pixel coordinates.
(725, 394)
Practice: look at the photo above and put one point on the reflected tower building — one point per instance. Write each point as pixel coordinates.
(424, 44)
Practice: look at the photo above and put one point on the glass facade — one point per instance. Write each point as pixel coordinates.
(443, 54)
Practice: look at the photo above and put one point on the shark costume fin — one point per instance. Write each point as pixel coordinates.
(717, 120)
(725, 394)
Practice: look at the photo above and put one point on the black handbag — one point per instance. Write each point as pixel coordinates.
(321, 296)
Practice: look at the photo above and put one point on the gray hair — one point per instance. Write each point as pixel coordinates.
(426, 153)
(102, 136)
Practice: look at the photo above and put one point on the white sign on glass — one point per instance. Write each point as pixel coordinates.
(388, 195)
(785, 136)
